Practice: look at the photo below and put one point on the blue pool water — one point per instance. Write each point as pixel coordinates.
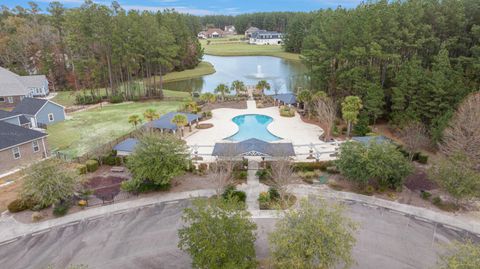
(253, 126)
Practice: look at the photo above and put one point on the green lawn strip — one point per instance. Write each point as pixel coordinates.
(89, 129)
(243, 49)
(204, 68)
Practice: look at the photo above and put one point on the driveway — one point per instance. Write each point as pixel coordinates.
(147, 238)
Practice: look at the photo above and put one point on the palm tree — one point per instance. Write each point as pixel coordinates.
(208, 97)
(150, 114)
(191, 107)
(238, 86)
(222, 89)
(263, 85)
(305, 96)
(180, 121)
(134, 120)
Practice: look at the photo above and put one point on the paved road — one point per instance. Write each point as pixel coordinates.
(147, 238)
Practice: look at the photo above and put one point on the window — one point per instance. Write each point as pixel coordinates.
(36, 148)
(10, 99)
(2, 99)
(50, 117)
(16, 153)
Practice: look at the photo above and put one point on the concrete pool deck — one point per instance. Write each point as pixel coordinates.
(292, 130)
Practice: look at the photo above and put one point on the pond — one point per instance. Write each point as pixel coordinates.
(283, 75)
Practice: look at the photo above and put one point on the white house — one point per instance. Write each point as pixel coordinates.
(263, 37)
(13, 88)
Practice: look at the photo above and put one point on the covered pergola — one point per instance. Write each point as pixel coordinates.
(253, 147)
(164, 123)
(284, 99)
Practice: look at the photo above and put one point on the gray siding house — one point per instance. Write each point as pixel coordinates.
(13, 88)
(40, 112)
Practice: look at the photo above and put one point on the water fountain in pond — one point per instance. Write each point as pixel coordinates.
(259, 73)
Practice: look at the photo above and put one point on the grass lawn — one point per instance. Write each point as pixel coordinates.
(222, 47)
(67, 98)
(86, 130)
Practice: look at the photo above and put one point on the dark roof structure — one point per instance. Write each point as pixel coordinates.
(286, 98)
(366, 140)
(30, 106)
(165, 121)
(12, 135)
(127, 145)
(23, 120)
(7, 114)
(253, 147)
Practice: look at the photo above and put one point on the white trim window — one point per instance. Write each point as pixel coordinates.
(35, 146)
(10, 99)
(50, 117)
(16, 153)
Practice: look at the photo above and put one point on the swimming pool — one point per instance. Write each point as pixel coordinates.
(253, 126)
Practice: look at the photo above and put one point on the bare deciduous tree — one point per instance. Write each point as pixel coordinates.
(463, 132)
(326, 112)
(282, 172)
(414, 136)
(223, 168)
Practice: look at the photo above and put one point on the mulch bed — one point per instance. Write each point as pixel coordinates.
(419, 181)
(204, 126)
(105, 188)
(227, 104)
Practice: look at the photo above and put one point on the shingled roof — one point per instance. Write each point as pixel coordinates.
(165, 121)
(253, 147)
(11, 84)
(13, 135)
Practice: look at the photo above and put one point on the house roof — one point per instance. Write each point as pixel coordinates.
(213, 30)
(165, 121)
(371, 139)
(7, 114)
(127, 145)
(11, 84)
(263, 34)
(287, 98)
(12, 135)
(23, 120)
(30, 106)
(252, 29)
(253, 147)
(36, 81)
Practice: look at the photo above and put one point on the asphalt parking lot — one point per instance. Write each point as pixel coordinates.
(147, 238)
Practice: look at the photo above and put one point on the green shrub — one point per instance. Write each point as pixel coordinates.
(92, 165)
(264, 200)
(312, 166)
(369, 190)
(263, 174)
(82, 169)
(437, 201)
(112, 160)
(286, 111)
(307, 174)
(202, 168)
(240, 175)
(425, 195)
(274, 194)
(423, 159)
(18, 205)
(332, 170)
(231, 192)
(116, 99)
(87, 99)
(61, 209)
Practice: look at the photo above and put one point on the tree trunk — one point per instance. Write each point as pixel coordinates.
(349, 128)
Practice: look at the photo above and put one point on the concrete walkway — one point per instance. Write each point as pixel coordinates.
(253, 186)
(11, 230)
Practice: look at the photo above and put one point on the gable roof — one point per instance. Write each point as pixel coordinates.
(36, 81)
(12, 135)
(253, 147)
(30, 106)
(11, 84)
(287, 98)
(165, 121)
(7, 114)
(212, 30)
(127, 145)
